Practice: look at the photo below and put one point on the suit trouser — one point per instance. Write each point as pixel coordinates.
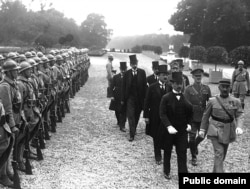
(122, 119)
(133, 114)
(157, 149)
(220, 152)
(180, 140)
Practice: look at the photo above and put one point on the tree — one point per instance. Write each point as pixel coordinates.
(240, 53)
(198, 53)
(217, 54)
(184, 52)
(136, 49)
(94, 31)
(212, 22)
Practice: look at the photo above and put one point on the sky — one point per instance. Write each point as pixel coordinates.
(125, 17)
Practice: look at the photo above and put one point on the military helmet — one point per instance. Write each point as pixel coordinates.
(10, 65)
(40, 54)
(1, 57)
(58, 57)
(24, 66)
(33, 53)
(44, 59)
(22, 57)
(65, 55)
(12, 55)
(50, 57)
(37, 59)
(28, 55)
(52, 52)
(32, 61)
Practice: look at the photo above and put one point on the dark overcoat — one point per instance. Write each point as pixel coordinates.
(151, 79)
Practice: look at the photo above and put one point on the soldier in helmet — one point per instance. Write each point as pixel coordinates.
(240, 83)
(11, 99)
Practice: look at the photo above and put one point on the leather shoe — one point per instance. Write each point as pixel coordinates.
(194, 161)
(5, 181)
(167, 176)
(158, 162)
(131, 139)
(122, 129)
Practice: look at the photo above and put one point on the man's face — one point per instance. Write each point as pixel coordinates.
(240, 66)
(177, 86)
(197, 76)
(27, 73)
(133, 65)
(155, 70)
(224, 90)
(122, 70)
(111, 58)
(175, 69)
(14, 74)
(163, 77)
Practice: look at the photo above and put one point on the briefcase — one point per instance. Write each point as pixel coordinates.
(112, 105)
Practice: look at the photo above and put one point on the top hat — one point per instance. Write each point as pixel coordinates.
(133, 58)
(155, 64)
(162, 69)
(123, 65)
(177, 77)
(225, 81)
(197, 68)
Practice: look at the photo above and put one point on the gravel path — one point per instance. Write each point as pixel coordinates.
(89, 151)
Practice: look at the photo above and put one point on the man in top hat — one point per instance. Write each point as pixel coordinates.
(109, 68)
(153, 78)
(240, 82)
(151, 108)
(133, 94)
(197, 94)
(176, 115)
(221, 121)
(116, 88)
(177, 66)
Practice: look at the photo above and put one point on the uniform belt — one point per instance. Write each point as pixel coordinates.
(241, 81)
(222, 120)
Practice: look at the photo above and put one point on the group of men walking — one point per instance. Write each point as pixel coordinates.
(176, 112)
(35, 92)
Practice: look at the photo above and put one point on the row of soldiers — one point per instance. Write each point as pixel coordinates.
(176, 112)
(35, 92)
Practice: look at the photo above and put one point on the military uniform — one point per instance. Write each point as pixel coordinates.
(221, 129)
(240, 84)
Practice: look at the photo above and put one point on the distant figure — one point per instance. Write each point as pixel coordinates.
(153, 78)
(221, 121)
(151, 108)
(133, 94)
(116, 86)
(240, 83)
(109, 68)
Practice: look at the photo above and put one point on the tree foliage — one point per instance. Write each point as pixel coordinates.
(212, 22)
(184, 52)
(240, 53)
(217, 54)
(198, 53)
(48, 27)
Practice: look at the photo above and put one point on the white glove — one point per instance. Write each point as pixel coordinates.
(171, 130)
(188, 128)
(239, 131)
(146, 120)
(202, 134)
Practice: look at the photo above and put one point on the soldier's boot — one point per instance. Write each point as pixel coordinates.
(53, 124)
(193, 150)
(67, 106)
(59, 117)
(243, 105)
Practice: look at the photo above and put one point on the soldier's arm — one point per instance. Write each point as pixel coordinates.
(206, 116)
(5, 95)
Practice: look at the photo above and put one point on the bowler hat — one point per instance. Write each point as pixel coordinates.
(123, 65)
(155, 64)
(225, 81)
(133, 58)
(162, 69)
(177, 77)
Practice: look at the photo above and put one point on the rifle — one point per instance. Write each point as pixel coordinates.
(16, 178)
(28, 169)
